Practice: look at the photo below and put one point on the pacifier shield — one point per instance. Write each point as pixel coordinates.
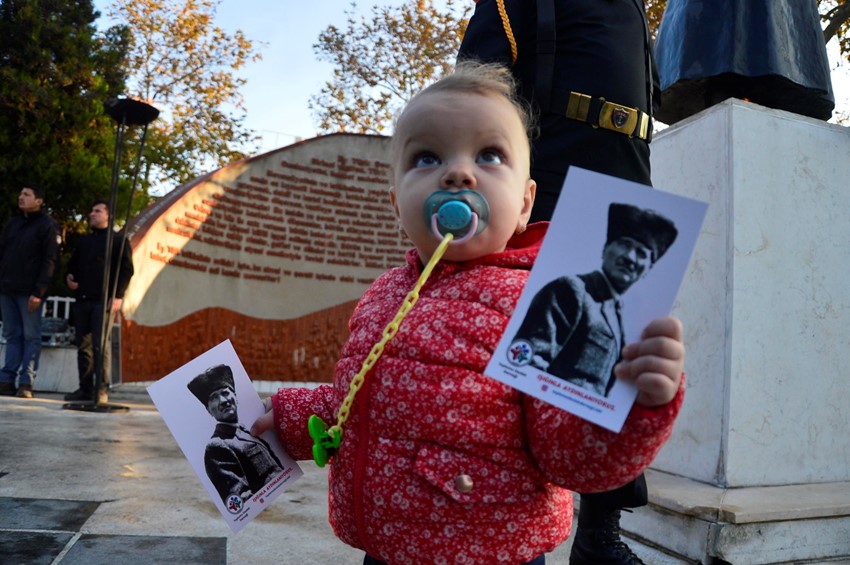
(463, 213)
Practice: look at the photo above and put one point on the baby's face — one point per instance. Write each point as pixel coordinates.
(462, 141)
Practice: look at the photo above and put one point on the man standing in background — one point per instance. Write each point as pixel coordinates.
(29, 249)
(86, 270)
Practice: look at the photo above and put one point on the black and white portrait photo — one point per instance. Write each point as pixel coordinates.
(575, 323)
(612, 261)
(237, 463)
(209, 405)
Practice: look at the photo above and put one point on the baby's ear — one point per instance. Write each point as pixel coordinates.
(527, 201)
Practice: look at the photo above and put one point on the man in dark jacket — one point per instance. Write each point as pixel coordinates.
(588, 68)
(237, 463)
(86, 271)
(29, 248)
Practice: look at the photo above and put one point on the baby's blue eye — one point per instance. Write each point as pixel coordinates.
(427, 160)
(490, 157)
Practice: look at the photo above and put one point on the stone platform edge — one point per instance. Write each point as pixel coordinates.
(746, 505)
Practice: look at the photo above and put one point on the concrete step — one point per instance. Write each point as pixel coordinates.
(699, 523)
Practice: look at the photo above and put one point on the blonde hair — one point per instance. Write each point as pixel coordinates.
(485, 79)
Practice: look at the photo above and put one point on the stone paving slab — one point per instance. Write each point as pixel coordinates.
(45, 514)
(36, 531)
(32, 548)
(146, 550)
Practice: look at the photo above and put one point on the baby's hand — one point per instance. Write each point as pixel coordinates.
(655, 363)
(265, 422)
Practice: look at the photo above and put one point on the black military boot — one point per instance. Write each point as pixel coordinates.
(597, 539)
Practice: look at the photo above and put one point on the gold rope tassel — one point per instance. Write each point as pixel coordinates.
(506, 23)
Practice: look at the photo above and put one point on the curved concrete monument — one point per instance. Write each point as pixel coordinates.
(271, 252)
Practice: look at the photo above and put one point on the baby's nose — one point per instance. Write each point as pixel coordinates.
(458, 175)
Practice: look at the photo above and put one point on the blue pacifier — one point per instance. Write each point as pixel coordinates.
(464, 214)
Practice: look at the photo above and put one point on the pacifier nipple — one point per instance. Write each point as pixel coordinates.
(464, 214)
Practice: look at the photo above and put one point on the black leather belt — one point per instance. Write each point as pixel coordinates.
(598, 112)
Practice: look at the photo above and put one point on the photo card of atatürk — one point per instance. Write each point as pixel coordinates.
(612, 261)
(209, 405)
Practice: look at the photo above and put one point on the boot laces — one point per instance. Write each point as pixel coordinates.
(609, 534)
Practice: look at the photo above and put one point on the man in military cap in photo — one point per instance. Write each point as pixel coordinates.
(237, 463)
(574, 323)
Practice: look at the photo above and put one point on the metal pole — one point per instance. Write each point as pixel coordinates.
(106, 295)
(124, 112)
(113, 287)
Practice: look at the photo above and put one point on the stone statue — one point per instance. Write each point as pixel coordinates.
(770, 52)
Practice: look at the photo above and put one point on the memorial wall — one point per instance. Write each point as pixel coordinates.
(271, 252)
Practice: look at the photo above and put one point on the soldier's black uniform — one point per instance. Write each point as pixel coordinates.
(580, 53)
(601, 50)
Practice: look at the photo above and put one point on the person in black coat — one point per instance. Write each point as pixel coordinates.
(587, 68)
(599, 50)
(237, 463)
(29, 249)
(86, 270)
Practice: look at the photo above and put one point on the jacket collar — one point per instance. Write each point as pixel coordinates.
(31, 215)
(520, 253)
(597, 286)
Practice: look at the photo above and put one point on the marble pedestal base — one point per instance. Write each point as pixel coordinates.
(766, 310)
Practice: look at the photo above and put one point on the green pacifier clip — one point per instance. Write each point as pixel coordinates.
(326, 440)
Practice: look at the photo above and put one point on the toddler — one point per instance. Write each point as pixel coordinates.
(438, 462)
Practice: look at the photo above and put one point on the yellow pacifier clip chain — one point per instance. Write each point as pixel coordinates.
(325, 439)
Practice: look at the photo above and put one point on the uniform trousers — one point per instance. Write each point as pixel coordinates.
(92, 361)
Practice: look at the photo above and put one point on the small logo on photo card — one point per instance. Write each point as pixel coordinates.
(234, 504)
(519, 353)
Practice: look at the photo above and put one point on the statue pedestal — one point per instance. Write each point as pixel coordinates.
(757, 468)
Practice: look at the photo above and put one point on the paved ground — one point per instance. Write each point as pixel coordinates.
(91, 488)
(113, 488)
(82, 487)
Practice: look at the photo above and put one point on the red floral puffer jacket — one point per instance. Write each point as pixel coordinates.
(439, 463)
